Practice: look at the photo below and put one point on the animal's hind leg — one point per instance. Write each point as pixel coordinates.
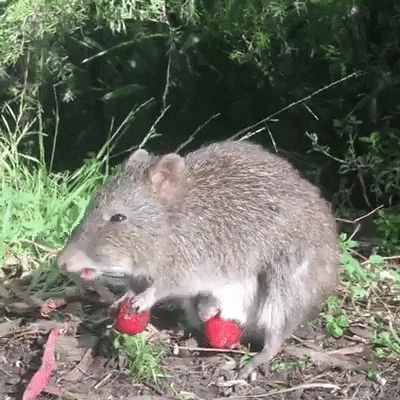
(269, 351)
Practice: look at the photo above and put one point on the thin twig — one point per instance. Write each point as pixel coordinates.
(196, 132)
(295, 103)
(168, 77)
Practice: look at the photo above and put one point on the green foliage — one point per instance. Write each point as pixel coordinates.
(143, 357)
(376, 259)
(370, 287)
(286, 365)
(372, 374)
(388, 228)
(246, 358)
(33, 34)
(353, 267)
(380, 164)
(274, 51)
(335, 325)
(333, 302)
(31, 27)
(360, 278)
(373, 159)
(116, 13)
(30, 34)
(38, 208)
(397, 276)
(387, 345)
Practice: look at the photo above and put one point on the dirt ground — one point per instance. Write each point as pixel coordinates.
(310, 366)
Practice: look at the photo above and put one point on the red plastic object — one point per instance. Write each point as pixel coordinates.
(129, 322)
(222, 334)
(40, 381)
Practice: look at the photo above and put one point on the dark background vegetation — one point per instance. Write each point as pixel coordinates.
(78, 69)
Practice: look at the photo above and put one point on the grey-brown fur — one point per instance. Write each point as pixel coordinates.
(229, 219)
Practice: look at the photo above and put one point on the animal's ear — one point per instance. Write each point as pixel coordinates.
(167, 177)
(139, 156)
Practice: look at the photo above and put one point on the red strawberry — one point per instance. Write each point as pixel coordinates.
(129, 322)
(87, 274)
(222, 334)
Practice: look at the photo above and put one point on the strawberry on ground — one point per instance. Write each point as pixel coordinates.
(222, 334)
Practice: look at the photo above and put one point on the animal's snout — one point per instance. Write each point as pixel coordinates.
(74, 260)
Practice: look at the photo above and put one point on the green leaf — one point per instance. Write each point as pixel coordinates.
(376, 259)
(342, 321)
(353, 267)
(359, 293)
(123, 91)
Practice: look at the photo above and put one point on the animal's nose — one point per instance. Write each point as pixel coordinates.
(74, 260)
(62, 262)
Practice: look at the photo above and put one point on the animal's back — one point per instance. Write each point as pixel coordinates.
(243, 206)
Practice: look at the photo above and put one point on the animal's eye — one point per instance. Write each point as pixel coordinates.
(117, 218)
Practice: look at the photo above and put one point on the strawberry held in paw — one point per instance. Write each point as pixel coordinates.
(221, 333)
(128, 321)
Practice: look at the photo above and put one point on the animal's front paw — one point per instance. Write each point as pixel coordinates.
(144, 301)
(115, 307)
